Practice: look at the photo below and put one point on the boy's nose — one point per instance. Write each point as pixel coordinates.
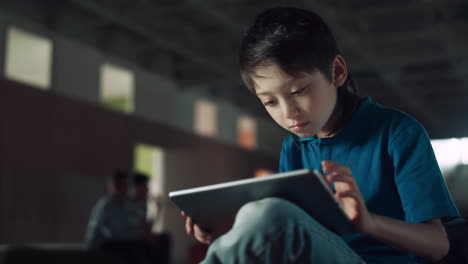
(290, 111)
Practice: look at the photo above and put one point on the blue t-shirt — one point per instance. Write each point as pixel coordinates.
(392, 161)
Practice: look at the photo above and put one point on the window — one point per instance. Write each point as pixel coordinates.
(117, 88)
(150, 161)
(450, 152)
(28, 58)
(246, 132)
(206, 118)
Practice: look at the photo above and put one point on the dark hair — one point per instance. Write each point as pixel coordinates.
(297, 41)
(140, 179)
(119, 175)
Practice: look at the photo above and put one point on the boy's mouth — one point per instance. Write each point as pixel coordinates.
(298, 127)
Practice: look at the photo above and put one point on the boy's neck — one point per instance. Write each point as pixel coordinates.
(339, 119)
(327, 131)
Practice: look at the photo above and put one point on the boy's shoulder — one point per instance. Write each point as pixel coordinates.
(392, 118)
(372, 118)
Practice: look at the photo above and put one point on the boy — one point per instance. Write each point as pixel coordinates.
(378, 160)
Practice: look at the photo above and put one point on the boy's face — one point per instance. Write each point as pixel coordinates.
(301, 104)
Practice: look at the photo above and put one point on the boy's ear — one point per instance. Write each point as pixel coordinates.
(339, 71)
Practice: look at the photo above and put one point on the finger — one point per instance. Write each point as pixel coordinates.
(337, 168)
(202, 236)
(341, 178)
(329, 166)
(354, 195)
(189, 226)
(183, 214)
(204, 241)
(199, 232)
(345, 185)
(348, 194)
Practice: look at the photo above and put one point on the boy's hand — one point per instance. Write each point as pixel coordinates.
(348, 195)
(193, 229)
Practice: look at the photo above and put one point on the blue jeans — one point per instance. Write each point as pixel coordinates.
(273, 230)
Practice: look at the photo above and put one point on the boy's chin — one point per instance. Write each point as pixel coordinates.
(304, 134)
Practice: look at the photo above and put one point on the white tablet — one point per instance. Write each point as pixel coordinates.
(214, 207)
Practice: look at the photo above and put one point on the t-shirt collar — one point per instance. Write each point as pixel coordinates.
(350, 129)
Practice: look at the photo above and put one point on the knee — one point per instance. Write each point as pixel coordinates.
(268, 211)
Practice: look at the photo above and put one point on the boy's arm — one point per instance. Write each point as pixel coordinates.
(427, 239)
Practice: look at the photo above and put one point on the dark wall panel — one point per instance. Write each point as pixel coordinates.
(56, 152)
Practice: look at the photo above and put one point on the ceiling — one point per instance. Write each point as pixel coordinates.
(410, 55)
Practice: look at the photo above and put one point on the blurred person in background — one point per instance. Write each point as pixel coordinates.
(114, 217)
(149, 209)
(115, 224)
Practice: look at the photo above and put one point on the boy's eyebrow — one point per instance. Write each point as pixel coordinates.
(265, 93)
(287, 84)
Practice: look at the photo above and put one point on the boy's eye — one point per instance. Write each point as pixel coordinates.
(269, 103)
(298, 91)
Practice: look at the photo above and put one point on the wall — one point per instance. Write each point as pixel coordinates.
(76, 68)
(58, 146)
(56, 152)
